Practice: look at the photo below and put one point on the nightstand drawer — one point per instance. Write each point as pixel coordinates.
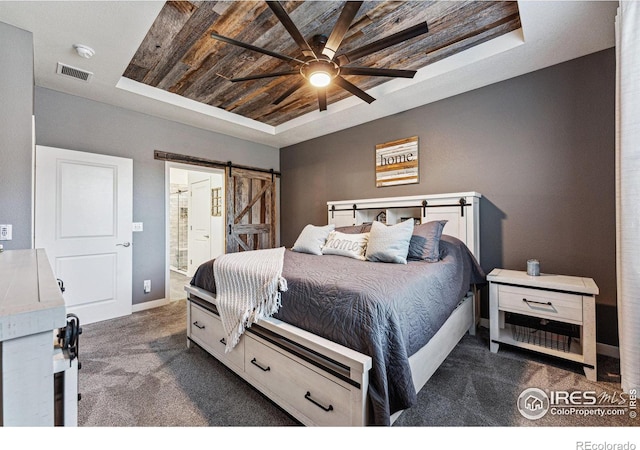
(540, 303)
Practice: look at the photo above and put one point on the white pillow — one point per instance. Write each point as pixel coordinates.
(389, 243)
(312, 239)
(343, 244)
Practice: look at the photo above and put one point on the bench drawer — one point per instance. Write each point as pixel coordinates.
(205, 328)
(297, 386)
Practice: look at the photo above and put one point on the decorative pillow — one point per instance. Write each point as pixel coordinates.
(389, 243)
(312, 239)
(343, 244)
(425, 242)
(355, 229)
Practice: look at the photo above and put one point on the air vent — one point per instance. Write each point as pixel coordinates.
(74, 72)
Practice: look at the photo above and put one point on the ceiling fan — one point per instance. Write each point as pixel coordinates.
(321, 65)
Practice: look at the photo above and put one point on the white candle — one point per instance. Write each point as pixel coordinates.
(533, 267)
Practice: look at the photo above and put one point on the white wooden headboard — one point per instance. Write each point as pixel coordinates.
(460, 209)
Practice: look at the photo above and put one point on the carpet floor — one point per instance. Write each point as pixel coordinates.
(137, 372)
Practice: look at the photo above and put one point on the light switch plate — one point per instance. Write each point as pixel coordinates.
(137, 226)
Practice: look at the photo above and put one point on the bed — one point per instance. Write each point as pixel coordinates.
(354, 341)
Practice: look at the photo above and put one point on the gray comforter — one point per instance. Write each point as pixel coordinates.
(386, 311)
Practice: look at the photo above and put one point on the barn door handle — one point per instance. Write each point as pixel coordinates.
(125, 244)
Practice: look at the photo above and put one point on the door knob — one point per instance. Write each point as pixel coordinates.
(126, 244)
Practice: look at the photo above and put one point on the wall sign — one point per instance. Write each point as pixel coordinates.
(397, 162)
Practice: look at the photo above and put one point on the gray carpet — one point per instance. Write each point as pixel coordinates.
(137, 372)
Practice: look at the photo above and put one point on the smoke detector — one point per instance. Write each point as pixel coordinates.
(84, 51)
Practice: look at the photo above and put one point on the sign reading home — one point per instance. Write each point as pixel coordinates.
(397, 162)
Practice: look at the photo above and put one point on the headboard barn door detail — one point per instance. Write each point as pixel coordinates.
(460, 210)
(251, 210)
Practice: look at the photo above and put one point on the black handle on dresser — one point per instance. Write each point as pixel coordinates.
(325, 408)
(198, 325)
(537, 303)
(255, 363)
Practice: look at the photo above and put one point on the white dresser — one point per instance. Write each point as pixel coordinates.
(31, 308)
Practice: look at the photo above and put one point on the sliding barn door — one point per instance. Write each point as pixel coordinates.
(251, 210)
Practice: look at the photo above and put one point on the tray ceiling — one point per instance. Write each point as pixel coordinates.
(179, 56)
(552, 32)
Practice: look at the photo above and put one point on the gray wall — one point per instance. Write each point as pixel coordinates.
(16, 111)
(539, 147)
(74, 123)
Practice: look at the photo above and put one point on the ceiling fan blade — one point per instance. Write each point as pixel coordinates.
(383, 43)
(340, 29)
(322, 99)
(355, 90)
(254, 48)
(371, 71)
(290, 91)
(266, 75)
(288, 24)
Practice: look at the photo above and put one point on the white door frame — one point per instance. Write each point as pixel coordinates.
(168, 165)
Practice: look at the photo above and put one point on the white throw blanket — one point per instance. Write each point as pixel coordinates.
(248, 286)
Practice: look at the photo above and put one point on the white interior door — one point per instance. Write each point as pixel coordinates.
(83, 216)
(199, 223)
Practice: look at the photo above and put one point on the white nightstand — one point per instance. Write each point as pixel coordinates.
(551, 314)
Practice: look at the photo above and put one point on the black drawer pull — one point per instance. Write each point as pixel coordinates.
(197, 325)
(223, 341)
(537, 303)
(325, 408)
(255, 363)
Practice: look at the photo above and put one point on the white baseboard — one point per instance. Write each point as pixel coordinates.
(601, 349)
(149, 305)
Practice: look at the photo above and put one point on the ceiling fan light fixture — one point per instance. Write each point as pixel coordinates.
(319, 65)
(320, 73)
(320, 79)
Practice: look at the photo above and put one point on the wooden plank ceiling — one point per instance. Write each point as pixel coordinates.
(178, 55)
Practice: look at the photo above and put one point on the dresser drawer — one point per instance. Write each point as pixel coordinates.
(321, 400)
(206, 330)
(540, 303)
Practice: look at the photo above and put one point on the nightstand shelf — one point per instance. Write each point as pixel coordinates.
(550, 314)
(505, 336)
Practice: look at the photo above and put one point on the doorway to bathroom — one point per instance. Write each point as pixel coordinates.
(195, 222)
